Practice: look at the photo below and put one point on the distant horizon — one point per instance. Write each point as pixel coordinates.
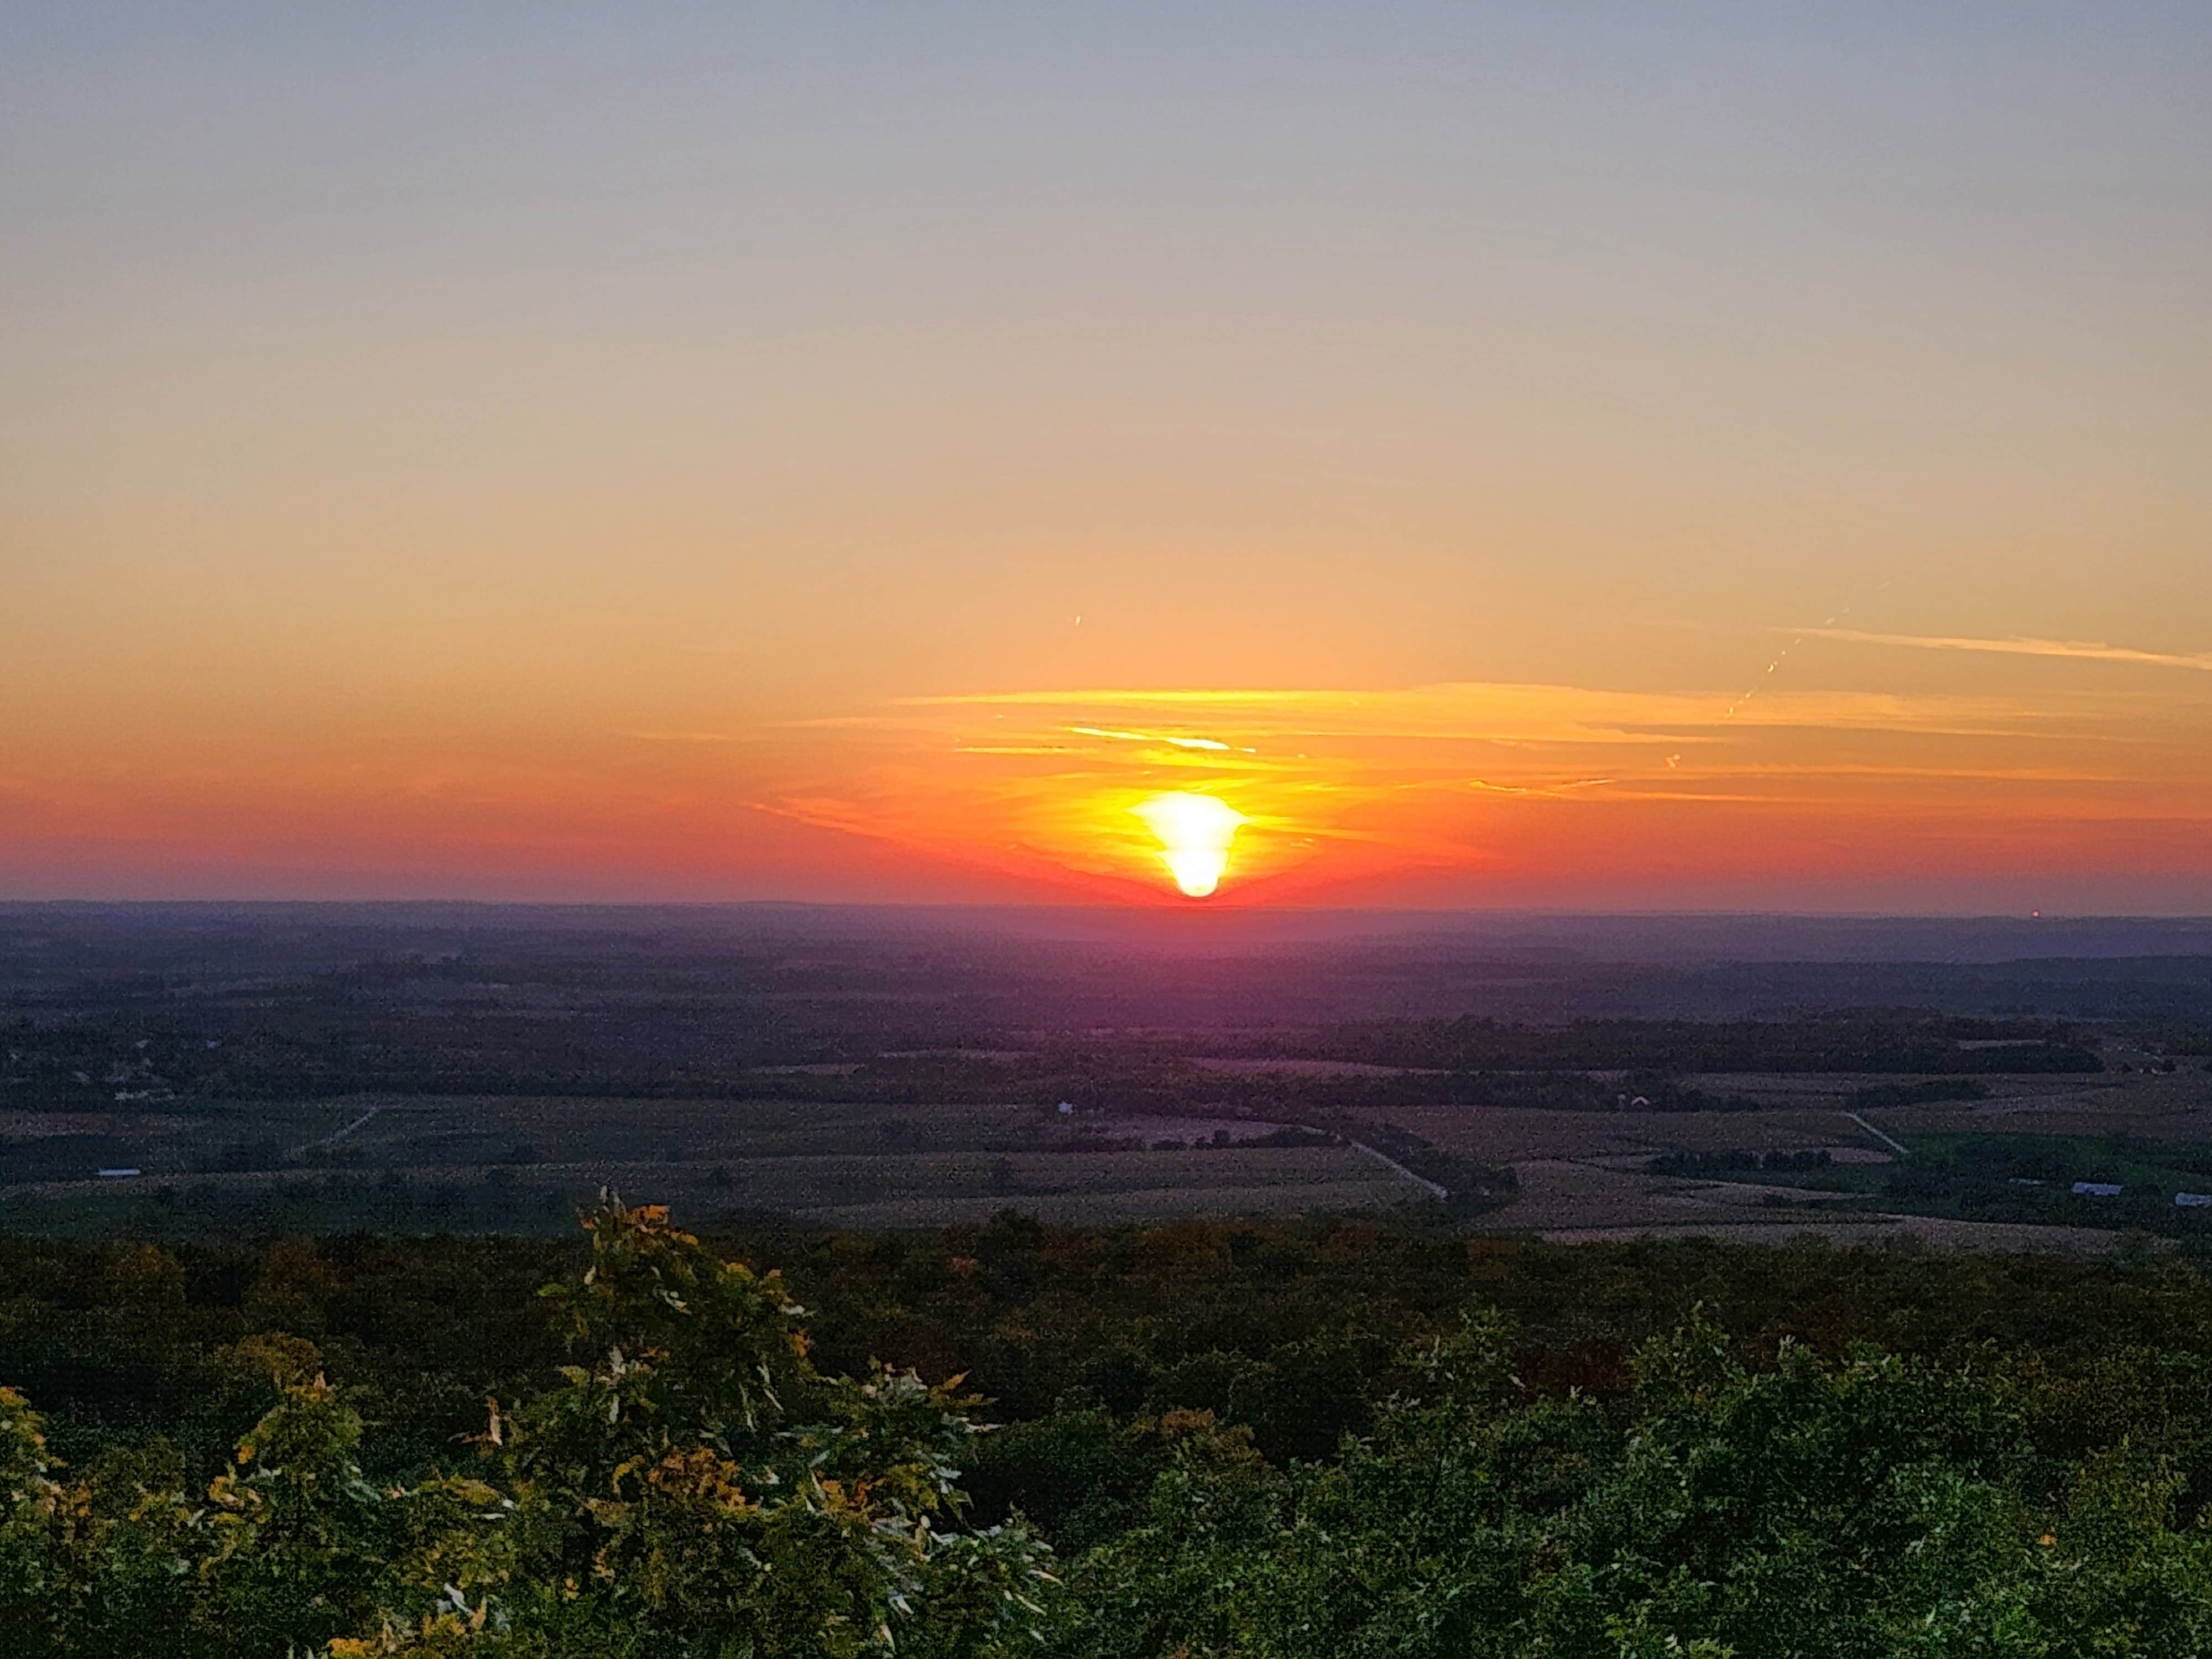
(1708, 936)
(13, 902)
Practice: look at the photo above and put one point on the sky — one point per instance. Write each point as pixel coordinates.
(1577, 455)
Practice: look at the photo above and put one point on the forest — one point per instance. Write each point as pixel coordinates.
(1206, 1438)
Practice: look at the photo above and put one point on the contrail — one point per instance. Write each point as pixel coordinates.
(1827, 629)
(2081, 650)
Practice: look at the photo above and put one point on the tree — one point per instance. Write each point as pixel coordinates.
(1864, 1509)
(694, 1485)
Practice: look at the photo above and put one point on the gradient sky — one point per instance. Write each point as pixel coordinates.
(838, 452)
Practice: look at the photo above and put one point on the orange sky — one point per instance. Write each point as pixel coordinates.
(1510, 456)
(1446, 794)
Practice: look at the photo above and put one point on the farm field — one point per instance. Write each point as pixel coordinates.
(1584, 1175)
(497, 1163)
(524, 1163)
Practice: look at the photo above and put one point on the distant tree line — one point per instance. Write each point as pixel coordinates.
(1917, 1094)
(1741, 1161)
(162, 1058)
(1838, 1043)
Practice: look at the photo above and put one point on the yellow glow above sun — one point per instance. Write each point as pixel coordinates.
(1194, 832)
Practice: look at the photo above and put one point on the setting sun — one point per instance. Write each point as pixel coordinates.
(1194, 832)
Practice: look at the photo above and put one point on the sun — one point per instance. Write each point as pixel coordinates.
(1194, 832)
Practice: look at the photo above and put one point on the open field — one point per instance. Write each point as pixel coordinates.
(1582, 1174)
(500, 1162)
(522, 1162)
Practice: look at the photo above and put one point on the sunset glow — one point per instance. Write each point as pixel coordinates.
(1195, 833)
(1485, 487)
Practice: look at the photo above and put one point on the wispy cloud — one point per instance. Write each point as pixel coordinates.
(1450, 775)
(2083, 650)
(1553, 792)
(1147, 737)
(1487, 714)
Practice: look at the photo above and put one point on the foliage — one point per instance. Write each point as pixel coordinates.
(1869, 1507)
(1245, 1443)
(692, 1485)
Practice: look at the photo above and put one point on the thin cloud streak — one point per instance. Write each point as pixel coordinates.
(1468, 778)
(1209, 743)
(2081, 650)
(1498, 713)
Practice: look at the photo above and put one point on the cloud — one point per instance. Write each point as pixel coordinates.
(1343, 785)
(1555, 791)
(1209, 743)
(2081, 650)
(1490, 715)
